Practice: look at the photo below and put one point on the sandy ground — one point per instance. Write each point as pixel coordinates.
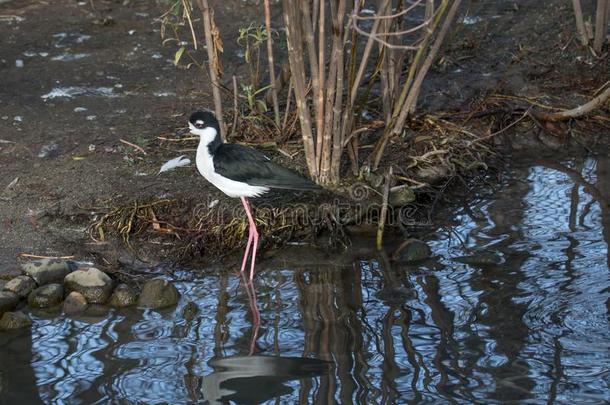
(72, 89)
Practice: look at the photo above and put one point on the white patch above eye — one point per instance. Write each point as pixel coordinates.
(199, 122)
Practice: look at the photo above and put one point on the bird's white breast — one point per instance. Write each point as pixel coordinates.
(232, 188)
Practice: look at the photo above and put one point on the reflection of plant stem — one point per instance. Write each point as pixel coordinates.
(221, 315)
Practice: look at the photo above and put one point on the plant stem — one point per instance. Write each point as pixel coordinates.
(601, 25)
(212, 64)
(384, 209)
(276, 106)
(297, 67)
(235, 105)
(580, 22)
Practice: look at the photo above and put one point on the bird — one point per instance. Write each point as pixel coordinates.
(240, 172)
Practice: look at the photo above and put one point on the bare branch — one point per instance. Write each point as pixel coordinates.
(212, 63)
(273, 89)
(580, 22)
(384, 17)
(575, 112)
(297, 67)
(601, 25)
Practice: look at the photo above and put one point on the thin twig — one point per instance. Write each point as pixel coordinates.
(276, 106)
(187, 13)
(133, 145)
(31, 256)
(212, 63)
(235, 105)
(288, 100)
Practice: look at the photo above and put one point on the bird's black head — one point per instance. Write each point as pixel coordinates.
(202, 120)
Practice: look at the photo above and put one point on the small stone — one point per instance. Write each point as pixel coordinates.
(158, 293)
(482, 258)
(15, 320)
(8, 301)
(46, 271)
(413, 250)
(123, 296)
(189, 311)
(46, 296)
(75, 303)
(401, 196)
(94, 284)
(21, 285)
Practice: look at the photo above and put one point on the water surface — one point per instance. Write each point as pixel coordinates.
(533, 328)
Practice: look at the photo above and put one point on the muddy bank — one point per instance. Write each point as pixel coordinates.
(81, 87)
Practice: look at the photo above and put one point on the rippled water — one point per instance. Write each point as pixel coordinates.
(533, 329)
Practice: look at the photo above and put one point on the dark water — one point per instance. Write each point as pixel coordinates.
(533, 329)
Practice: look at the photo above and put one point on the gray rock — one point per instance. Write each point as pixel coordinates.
(158, 293)
(8, 301)
(2, 284)
(94, 284)
(46, 296)
(401, 196)
(75, 303)
(46, 271)
(413, 250)
(123, 296)
(14, 320)
(21, 285)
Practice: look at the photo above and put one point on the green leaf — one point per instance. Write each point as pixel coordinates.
(261, 105)
(178, 55)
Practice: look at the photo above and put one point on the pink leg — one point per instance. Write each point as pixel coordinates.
(245, 260)
(252, 237)
(254, 248)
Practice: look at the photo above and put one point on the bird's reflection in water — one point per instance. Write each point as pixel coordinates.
(255, 379)
(256, 316)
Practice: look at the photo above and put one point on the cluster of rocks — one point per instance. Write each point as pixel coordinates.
(54, 284)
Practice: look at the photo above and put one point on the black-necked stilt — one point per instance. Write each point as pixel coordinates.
(240, 171)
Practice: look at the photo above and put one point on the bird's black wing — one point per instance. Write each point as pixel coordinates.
(248, 165)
